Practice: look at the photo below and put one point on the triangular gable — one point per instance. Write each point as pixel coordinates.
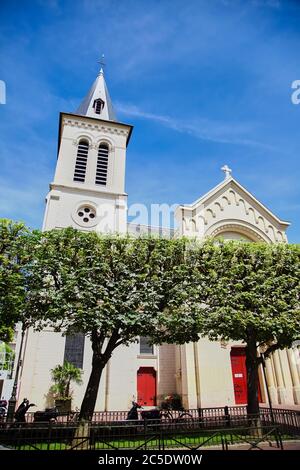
(229, 206)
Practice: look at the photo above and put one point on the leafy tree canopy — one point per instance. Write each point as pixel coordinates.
(12, 286)
(111, 288)
(250, 289)
(248, 292)
(117, 288)
(86, 282)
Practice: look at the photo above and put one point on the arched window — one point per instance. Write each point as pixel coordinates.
(81, 161)
(102, 164)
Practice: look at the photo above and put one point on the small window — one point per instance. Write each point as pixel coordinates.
(102, 165)
(145, 346)
(81, 161)
(98, 105)
(74, 349)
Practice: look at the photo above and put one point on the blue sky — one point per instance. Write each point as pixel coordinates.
(204, 83)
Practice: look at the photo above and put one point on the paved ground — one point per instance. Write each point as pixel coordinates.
(287, 445)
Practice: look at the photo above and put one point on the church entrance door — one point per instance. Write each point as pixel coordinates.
(146, 386)
(239, 376)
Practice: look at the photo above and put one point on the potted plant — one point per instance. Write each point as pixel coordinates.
(171, 402)
(62, 376)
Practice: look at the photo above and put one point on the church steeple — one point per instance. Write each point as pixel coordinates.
(88, 190)
(97, 103)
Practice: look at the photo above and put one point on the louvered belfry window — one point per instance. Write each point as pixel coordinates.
(102, 164)
(81, 161)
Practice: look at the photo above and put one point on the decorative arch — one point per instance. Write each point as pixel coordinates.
(219, 205)
(225, 199)
(211, 212)
(84, 136)
(107, 141)
(232, 193)
(253, 234)
(280, 236)
(194, 225)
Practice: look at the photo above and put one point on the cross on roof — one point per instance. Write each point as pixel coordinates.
(102, 63)
(227, 171)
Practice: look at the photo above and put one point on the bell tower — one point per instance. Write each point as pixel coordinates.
(88, 190)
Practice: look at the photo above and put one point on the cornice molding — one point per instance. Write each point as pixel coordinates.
(105, 129)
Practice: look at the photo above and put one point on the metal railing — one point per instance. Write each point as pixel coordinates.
(108, 416)
(206, 417)
(136, 436)
(192, 429)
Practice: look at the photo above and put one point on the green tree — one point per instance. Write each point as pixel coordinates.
(63, 376)
(251, 293)
(12, 286)
(7, 356)
(111, 288)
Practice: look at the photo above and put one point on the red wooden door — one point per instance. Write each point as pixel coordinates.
(146, 386)
(239, 376)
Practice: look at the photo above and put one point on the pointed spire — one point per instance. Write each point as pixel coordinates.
(97, 103)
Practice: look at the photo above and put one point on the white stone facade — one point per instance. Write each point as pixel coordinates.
(201, 373)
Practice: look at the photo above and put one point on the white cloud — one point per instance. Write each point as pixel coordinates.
(203, 129)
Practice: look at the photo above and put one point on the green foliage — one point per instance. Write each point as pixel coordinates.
(248, 290)
(63, 376)
(84, 282)
(111, 288)
(6, 332)
(7, 356)
(12, 287)
(116, 288)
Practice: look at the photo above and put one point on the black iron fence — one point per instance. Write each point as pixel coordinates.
(209, 417)
(182, 429)
(136, 436)
(112, 416)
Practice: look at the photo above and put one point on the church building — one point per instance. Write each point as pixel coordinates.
(89, 183)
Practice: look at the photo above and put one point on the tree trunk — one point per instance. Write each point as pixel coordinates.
(252, 377)
(90, 396)
(99, 361)
(67, 392)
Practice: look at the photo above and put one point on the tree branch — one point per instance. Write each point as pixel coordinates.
(118, 343)
(111, 345)
(271, 349)
(97, 340)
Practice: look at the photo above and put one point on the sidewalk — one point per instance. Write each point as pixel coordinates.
(287, 445)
